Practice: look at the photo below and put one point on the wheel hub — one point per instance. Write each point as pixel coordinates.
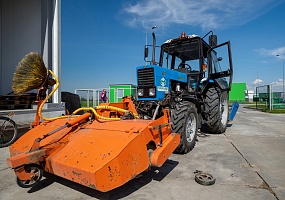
(223, 110)
(190, 128)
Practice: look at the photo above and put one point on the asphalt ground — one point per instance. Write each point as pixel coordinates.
(248, 162)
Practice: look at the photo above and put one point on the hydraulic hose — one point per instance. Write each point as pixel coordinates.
(107, 108)
(80, 109)
(45, 100)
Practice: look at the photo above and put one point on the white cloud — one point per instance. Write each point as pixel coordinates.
(272, 52)
(278, 82)
(250, 86)
(257, 81)
(277, 86)
(254, 84)
(206, 14)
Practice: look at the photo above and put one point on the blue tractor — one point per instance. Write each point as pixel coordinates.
(193, 79)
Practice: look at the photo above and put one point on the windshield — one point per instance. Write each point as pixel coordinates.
(179, 56)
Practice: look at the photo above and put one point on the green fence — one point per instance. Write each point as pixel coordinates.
(91, 97)
(269, 97)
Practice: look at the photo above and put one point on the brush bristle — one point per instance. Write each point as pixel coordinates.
(31, 73)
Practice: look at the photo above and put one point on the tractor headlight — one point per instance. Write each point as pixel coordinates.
(140, 92)
(151, 92)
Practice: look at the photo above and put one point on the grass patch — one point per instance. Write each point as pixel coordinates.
(264, 108)
(277, 111)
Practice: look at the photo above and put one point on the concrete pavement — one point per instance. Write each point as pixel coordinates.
(247, 161)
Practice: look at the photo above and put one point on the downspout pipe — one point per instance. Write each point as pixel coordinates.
(56, 47)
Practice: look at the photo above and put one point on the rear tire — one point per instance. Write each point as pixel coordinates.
(38, 174)
(184, 120)
(216, 110)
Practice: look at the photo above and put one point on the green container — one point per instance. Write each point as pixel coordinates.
(237, 92)
(118, 91)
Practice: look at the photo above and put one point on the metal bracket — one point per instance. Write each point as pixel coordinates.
(159, 126)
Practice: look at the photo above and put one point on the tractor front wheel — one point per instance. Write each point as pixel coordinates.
(184, 120)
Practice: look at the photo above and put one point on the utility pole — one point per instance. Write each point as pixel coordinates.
(282, 73)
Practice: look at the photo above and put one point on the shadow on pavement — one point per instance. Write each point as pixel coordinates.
(154, 174)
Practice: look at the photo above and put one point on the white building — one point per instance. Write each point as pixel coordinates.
(249, 95)
(25, 26)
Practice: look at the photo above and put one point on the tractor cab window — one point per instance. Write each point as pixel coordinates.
(181, 57)
(188, 65)
(218, 63)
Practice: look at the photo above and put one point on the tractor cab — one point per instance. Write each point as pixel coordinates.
(186, 54)
(190, 54)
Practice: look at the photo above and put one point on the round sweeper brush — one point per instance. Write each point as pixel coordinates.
(31, 73)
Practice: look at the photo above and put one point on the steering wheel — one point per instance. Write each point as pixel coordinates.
(187, 66)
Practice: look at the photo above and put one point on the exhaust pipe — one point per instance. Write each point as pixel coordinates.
(153, 49)
(213, 40)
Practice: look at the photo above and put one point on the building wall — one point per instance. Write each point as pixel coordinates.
(25, 26)
(237, 92)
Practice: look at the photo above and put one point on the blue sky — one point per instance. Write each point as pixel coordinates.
(102, 41)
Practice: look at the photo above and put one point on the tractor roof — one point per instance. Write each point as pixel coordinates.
(186, 47)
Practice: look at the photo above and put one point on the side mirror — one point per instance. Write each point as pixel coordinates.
(145, 52)
(219, 59)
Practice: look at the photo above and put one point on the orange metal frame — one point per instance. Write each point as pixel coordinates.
(99, 154)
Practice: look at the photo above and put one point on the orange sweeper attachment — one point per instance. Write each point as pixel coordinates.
(103, 148)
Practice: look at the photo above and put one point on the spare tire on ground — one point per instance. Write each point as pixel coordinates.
(204, 178)
(72, 102)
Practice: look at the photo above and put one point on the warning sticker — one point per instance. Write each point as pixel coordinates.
(164, 89)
